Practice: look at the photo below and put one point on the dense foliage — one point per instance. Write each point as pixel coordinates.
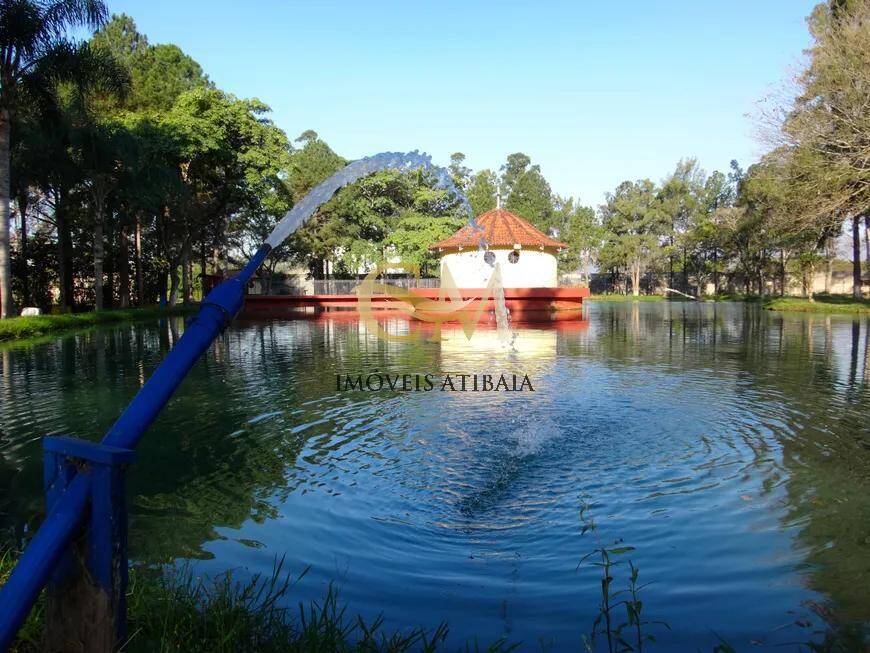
(126, 174)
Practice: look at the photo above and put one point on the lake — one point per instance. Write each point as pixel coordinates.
(726, 447)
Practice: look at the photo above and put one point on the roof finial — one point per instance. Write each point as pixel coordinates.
(498, 194)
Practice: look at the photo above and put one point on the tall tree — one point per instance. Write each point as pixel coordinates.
(311, 164)
(634, 222)
(159, 73)
(35, 54)
(102, 149)
(232, 162)
(516, 164)
(433, 216)
(681, 201)
(828, 124)
(151, 185)
(583, 235)
(528, 193)
(28, 161)
(459, 172)
(704, 236)
(531, 199)
(482, 191)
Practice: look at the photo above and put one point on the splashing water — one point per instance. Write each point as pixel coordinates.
(403, 162)
(506, 334)
(354, 171)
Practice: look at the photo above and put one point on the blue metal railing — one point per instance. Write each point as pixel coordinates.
(69, 499)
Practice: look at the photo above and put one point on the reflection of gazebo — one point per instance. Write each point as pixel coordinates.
(526, 255)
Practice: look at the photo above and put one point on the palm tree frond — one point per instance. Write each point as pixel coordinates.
(60, 15)
(92, 69)
(21, 26)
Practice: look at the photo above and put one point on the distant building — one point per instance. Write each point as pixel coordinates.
(526, 255)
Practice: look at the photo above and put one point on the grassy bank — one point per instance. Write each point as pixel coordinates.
(625, 298)
(822, 304)
(730, 297)
(179, 612)
(16, 328)
(673, 297)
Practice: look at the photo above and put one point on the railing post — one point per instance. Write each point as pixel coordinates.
(86, 608)
(69, 474)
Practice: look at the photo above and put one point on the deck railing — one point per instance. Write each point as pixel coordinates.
(347, 286)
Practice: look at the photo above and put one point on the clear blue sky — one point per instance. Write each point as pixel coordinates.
(594, 92)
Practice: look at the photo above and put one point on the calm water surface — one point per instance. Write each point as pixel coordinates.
(729, 446)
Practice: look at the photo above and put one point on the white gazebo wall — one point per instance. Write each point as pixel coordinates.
(535, 269)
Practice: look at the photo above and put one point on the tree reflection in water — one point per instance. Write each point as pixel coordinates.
(693, 426)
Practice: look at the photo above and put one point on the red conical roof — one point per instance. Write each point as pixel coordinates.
(499, 228)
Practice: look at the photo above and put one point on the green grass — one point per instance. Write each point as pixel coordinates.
(178, 612)
(822, 304)
(175, 611)
(30, 634)
(730, 297)
(625, 298)
(17, 328)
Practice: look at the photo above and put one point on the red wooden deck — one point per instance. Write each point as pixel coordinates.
(525, 304)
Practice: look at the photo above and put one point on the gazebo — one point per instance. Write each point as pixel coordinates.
(526, 255)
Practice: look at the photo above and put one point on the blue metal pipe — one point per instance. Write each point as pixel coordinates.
(39, 559)
(217, 311)
(37, 562)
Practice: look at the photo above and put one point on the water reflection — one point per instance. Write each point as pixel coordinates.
(730, 445)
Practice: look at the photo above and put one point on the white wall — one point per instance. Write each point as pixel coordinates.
(840, 284)
(535, 269)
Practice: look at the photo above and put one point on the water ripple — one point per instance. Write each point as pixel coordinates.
(730, 447)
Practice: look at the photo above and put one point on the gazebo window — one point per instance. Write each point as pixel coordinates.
(514, 256)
